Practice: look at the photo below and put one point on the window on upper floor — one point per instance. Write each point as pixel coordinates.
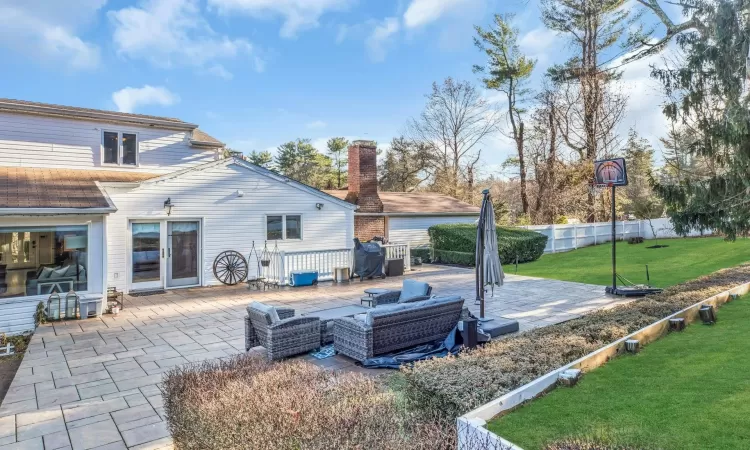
(280, 227)
(119, 148)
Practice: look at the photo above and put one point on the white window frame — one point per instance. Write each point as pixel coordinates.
(283, 226)
(120, 150)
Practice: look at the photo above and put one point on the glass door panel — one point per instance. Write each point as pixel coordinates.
(146, 256)
(182, 253)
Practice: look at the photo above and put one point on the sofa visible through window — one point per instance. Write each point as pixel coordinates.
(43, 260)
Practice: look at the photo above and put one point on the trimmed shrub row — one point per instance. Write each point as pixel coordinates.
(422, 252)
(248, 402)
(454, 385)
(449, 257)
(512, 243)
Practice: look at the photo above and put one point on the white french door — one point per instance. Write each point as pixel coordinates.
(164, 253)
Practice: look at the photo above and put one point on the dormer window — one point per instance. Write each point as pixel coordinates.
(119, 148)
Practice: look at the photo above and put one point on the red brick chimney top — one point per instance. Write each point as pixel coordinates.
(363, 176)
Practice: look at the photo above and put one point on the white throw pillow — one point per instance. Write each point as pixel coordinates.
(361, 317)
(46, 273)
(59, 273)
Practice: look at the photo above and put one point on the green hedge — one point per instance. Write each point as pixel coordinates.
(422, 252)
(449, 257)
(461, 238)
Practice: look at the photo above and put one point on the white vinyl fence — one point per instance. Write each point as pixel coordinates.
(561, 238)
(326, 261)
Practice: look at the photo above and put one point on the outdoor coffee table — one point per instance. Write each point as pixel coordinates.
(327, 316)
(371, 293)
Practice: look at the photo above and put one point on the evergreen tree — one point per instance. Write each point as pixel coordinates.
(263, 159)
(640, 199)
(337, 148)
(300, 161)
(707, 95)
(404, 167)
(508, 71)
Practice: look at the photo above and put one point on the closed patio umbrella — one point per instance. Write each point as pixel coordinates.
(489, 271)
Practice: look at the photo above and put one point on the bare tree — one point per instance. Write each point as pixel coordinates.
(454, 122)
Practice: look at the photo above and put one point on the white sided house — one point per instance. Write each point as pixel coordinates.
(93, 199)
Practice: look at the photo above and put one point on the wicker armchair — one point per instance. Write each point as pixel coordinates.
(288, 336)
(392, 297)
(396, 327)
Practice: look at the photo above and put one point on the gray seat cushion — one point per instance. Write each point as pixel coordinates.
(413, 288)
(268, 310)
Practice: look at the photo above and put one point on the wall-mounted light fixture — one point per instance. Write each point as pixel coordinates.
(240, 193)
(168, 206)
(319, 205)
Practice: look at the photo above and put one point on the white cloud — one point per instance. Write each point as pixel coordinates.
(645, 99)
(129, 99)
(298, 15)
(539, 43)
(48, 32)
(171, 33)
(316, 125)
(423, 12)
(380, 37)
(220, 71)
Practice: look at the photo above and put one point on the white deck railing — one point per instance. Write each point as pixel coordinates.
(399, 251)
(326, 261)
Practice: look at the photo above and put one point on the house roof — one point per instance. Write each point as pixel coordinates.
(200, 137)
(74, 112)
(416, 203)
(63, 190)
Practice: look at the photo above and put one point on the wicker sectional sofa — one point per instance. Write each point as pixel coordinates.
(388, 328)
(284, 337)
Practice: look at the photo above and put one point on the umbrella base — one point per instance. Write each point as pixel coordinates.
(498, 326)
(632, 291)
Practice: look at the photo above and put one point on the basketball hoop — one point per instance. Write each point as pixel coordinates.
(598, 188)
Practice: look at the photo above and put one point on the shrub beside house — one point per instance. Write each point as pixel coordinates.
(456, 244)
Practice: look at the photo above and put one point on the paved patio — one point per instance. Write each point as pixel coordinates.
(94, 384)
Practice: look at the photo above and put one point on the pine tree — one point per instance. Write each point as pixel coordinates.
(707, 95)
(300, 161)
(263, 159)
(337, 148)
(508, 71)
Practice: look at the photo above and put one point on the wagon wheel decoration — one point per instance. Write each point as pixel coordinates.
(230, 267)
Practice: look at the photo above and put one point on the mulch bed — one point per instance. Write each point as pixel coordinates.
(8, 367)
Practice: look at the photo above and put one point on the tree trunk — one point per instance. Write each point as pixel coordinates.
(522, 170)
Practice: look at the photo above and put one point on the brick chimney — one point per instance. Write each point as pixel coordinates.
(363, 190)
(363, 177)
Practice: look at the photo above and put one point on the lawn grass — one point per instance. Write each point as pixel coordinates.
(683, 260)
(689, 390)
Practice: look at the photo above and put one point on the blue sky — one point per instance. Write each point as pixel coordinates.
(257, 73)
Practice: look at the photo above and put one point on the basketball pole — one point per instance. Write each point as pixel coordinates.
(614, 242)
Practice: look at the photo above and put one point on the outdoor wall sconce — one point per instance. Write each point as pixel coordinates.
(676, 324)
(168, 206)
(708, 315)
(632, 345)
(319, 206)
(240, 193)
